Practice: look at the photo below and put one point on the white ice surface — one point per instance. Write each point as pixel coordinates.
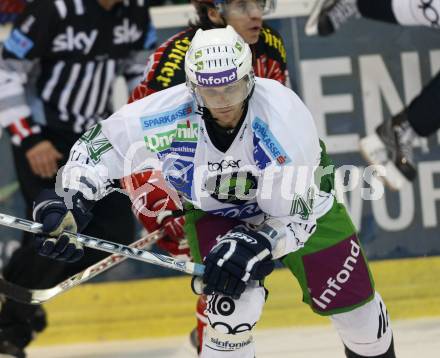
(413, 338)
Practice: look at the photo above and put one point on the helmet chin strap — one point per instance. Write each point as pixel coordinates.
(222, 16)
(206, 114)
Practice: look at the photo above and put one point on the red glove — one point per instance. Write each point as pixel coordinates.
(174, 241)
(153, 203)
(176, 248)
(173, 226)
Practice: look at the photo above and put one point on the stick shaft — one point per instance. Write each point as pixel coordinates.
(39, 296)
(111, 247)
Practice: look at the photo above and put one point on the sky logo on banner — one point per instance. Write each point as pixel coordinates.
(162, 119)
(72, 41)
(216, 79)
(126, 33)
(268, 140)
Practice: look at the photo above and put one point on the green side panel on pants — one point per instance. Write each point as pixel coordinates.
(332, 228)
(191, 217)
(325, 173)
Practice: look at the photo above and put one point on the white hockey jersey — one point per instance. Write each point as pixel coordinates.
(267, 172)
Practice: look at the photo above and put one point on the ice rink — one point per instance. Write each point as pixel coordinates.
(412, 338)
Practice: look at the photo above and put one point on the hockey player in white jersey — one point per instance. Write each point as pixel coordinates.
(256, 184)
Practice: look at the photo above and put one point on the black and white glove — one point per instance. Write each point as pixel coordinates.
(51, 211)
(239, 256)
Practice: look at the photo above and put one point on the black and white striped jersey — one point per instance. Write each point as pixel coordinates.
(58, 65)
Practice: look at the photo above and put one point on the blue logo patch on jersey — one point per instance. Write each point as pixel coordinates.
(19, 44)
(185, 149)
(269, 142)
(179, 173)
(261, 158)
(241, 211)
(167, 118)
(182, 149)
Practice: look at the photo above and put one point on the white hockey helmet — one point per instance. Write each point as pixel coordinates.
(218, 67)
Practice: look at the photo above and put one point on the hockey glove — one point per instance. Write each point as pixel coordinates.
(174, 241)
(51, 211)
(153, 205)
(239, 256)
(172, 225)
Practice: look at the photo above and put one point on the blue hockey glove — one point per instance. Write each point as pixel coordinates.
(51, 211)
(239, 256)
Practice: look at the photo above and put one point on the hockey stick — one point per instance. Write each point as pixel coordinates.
(111, 247)
(34, 296)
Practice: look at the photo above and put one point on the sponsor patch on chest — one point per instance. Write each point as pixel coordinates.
(268, 142)
(167, 118)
